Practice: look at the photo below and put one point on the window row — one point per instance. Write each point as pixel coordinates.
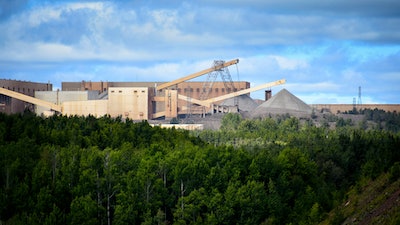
(228, 90)
(22, 90)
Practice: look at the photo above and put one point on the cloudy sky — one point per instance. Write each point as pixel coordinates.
(324, 49)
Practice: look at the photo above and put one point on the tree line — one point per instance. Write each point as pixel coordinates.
(84, 170)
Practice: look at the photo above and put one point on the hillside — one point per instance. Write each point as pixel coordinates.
(372, 202)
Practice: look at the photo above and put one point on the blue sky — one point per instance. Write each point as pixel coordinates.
(324, 49)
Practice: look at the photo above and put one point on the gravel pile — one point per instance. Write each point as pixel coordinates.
(283, 102)
(246, 103)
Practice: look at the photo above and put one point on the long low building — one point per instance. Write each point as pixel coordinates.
(192, 88)
(128, 102)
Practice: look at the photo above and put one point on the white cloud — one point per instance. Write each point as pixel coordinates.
(290, 64)
(165, 19)
(43, 15)
(46, 14)
(314, 45)
(97, 6)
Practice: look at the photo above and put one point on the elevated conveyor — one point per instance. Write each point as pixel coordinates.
(30, 99)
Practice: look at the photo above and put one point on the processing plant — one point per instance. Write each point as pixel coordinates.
(163, 100)
(145, 100)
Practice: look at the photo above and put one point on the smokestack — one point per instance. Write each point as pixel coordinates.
(268, 94)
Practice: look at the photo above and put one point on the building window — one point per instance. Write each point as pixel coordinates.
(198, 90)
(223, 89)
(216, 89)
(179, 90)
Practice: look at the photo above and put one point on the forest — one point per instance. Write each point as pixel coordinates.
(87, 170)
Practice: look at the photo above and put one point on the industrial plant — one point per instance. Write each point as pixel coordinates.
(159, 100)
(139, 100)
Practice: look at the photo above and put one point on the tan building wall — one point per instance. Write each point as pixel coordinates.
(171, 103)
(59, 97)
(10, 105)
(97, 108)
(133, 103)
(340, 108)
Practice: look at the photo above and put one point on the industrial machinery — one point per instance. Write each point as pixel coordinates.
(206, 103)
(194, 75)
(138, 103)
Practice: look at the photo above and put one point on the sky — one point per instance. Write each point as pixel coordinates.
(325, 50)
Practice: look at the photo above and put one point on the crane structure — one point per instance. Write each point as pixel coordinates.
(219, 67)
(225, 76)
(194, 75)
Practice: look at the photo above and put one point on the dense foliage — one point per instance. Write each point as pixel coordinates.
(380, 119)
(83, 170)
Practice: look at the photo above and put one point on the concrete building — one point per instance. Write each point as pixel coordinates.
(61, 97)
(193, 88)
(130, 102)
(10, 105)
(95, 108)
